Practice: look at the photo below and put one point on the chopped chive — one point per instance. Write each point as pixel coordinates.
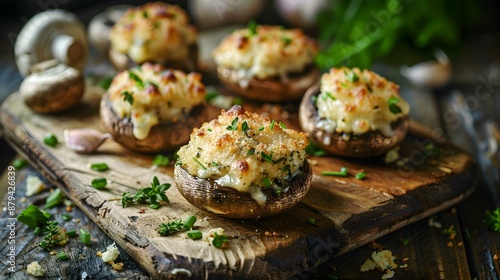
(244, 126)
(267, 182)
(271, 126)
(136, 78)
(71, 233)
(50, 140)
(161, 160)
(54, 199)
(234, 125)
(405, 241)
(252, 27)
(286, 41)
(127, 97)
(330, 95)
(311, 220)
(393, 107)
(251, 152)
(351, 76)
(194, 234)
(268, 158)
(105, 82)
(282, 125)
(197, 161)
(99, 183)
(360, 175)
(101, 166)
(209, 129)
(189, 222)
(343, 84)
(341, 173)
(38, 230)
(19, 163)
(144, 14)
(62, 256)
(261, 128)
(66, 217)
(85, 236)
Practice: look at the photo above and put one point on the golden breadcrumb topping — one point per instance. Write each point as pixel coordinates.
(152, 94)
(266, 51)
(156, 32)
(245, 151)
(355, 101)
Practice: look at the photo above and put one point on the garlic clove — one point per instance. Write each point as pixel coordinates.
(84, 140)
(429, 74)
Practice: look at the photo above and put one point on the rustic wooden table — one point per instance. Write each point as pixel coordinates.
(423, 252)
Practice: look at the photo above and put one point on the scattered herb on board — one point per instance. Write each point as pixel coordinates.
(360, 175)
(194, 234)
(85, 236)
(406, 241)
(219, 240)
(177, 226)
(161, 160)
(66, 217)
(311, 220)
(33, 217)
(50, 238)
(54, 199)
(153, 195)
(341, 173)
(492, 219)
(100, 166)
(314, 150)
(62, 256)
(50, 140)
(99, 183)
(19, 163)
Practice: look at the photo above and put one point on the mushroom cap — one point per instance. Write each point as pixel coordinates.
(51, 34)
(166, 136)
(368, 144)
(228, 202)
(122, 61)
(54, 88)
(270, 90)
(100, 26)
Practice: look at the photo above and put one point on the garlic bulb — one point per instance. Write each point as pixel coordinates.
(429, 74)
(84, 140)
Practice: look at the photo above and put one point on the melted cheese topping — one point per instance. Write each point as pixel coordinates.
(355, 102)
(156, 32)
(240, 150)
(271, 52)
(158, 95)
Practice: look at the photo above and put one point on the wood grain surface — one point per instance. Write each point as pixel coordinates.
(348, 212)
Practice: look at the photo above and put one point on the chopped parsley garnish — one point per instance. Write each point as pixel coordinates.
(492, 220)
(244, 127)
(252, 27)
(351, 76)
(341, 173)
(261, 128)
(105, 82)
(393, 107)
(136, 78)
(282, 125)
(201, 164)
(219, 240)
(330, 95)
(251, 152)
(209, 129)
(271, 126)
(211, 95)
(267, 182)
(234, 125)
(127, 97)
(286, 40)
(144, 14)
(268, 158)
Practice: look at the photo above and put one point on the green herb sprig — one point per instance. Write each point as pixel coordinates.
(219, 240)
(153, 195)
(492, 220)
(393, 107)
(177, 226)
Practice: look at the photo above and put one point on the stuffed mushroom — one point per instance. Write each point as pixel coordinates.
(152, 108)
(243, 165)
(267, 63)
(354, 113)
(155, 32)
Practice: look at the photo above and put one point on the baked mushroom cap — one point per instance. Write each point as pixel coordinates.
(52, 87)
(269, 90)
(166, 136)
(367, 144)
(228, 202)
(267, 63)
(154, 32)
(243, 165)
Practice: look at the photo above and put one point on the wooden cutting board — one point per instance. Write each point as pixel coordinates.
(347, 212)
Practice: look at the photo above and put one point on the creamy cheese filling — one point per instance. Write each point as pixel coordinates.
(356, 102)
(248, 158)
(271, 52)
(151, 94)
